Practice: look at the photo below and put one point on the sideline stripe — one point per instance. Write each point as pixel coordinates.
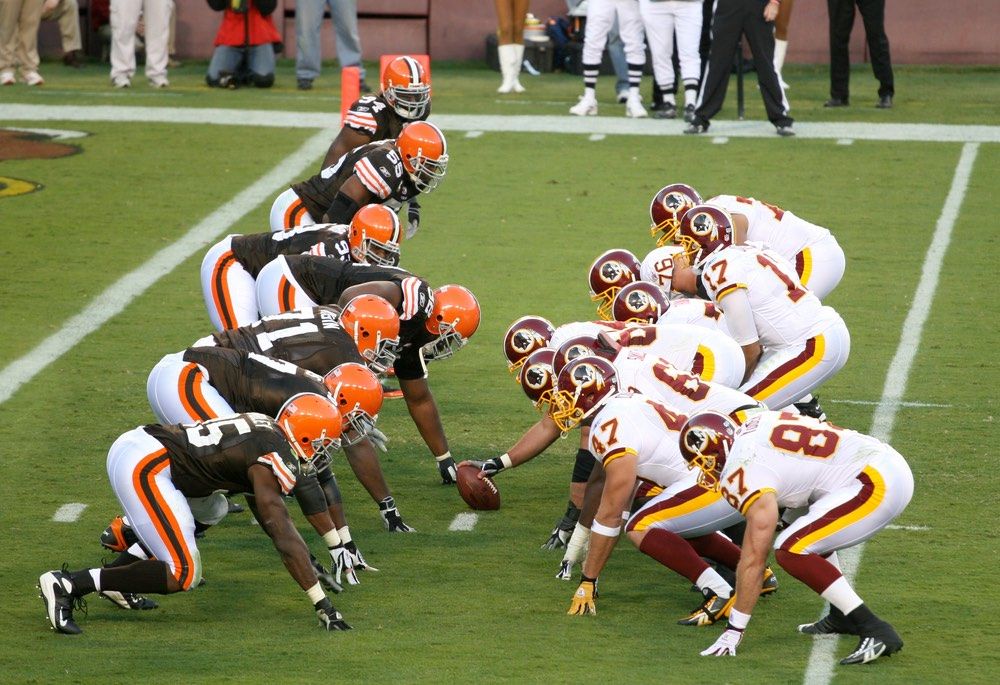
(464, 521)
(122, 292)
(508, 123)
(68, 513)
(821, 659)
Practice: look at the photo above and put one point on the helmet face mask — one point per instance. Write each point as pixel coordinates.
(581, 389)
(312, 426)
(358, 395)
(374, 325)
(374, 236)
(424, 152)
(405, 87)
(454, 319)
(667, 208)
(640, 302)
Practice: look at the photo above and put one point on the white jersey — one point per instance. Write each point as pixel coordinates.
(784, 312)
(798, 458)
(633, 424)
(712, 355)
(696, 312)
(577, 328)
(657, 378)
(776, 228)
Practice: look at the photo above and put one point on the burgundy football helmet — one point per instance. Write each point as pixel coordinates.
(582, 387)
(639, 302)
(536, 377)
(667, 208)
(527, 334)
(705, 441)
(579, 346)
(704, 230)
(608, 274)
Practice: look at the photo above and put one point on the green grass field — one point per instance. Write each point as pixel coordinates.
(518, 220)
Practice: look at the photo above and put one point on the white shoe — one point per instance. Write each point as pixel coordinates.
(634, 108)
(33, 78)
(586, 107)
(7, 77)
(505, 55)
(121, 82)
(516, 61)
(159, 82)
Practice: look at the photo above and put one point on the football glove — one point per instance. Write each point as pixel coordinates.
(412, 218)
(565, 570)
(379, 439)
(391, 518)
(448, 471)
(342, 566)
(325, 577)
(491, 467)
(357, 560)
(560, 535)
(726, 644)
(329, 617)
(583, 600)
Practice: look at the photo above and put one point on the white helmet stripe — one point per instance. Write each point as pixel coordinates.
(414, 67)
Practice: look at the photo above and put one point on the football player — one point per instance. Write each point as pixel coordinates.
(634, 436)
(434, 324)
(155, 468)
(207, 382)
(405, 97)
(791, 342)
(610, 272)
(644, 303)
(847, 487)
(230, 267)
(387, 172)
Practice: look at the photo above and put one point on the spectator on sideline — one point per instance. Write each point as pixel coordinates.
(124, 22)
(841, 21)
(19, 20)
(244, 50)
(309, 21)
(67, 13)
(172, 61)
(662, 20)
(510, 42)
(733, 19)
(781, 38)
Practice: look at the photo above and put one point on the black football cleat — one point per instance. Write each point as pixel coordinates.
(872, 646)
(129, 600)
(811, 408)
(834, 623)
(325, 577)
(56, 591)
(711, 610)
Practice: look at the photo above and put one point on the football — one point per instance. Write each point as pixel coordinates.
(478, 493)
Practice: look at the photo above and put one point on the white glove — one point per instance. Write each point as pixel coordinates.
(379, 439)
(565, 570)
(342, 565)
(357, 559)
(726, 644)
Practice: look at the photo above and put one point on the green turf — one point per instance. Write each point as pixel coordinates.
(518, 220)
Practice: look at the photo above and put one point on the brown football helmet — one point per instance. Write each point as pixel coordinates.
(527, 334)
(639, 302)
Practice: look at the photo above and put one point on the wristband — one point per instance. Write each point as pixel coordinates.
(345, 534)
(738, 620)
(316, 594)
(506, 460)
(446, 455)
(584, 578)
(332, 538)
(608, 531)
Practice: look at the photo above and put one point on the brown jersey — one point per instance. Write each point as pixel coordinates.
(324, 240)
(251, 382)
(372, 117)
(217, 454)
(309, 338)
(377, 165)
(325, 283)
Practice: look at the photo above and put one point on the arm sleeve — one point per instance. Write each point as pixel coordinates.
(310, 495)
(342, 209)
(735, 306)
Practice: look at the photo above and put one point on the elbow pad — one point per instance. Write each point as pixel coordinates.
(342, 209)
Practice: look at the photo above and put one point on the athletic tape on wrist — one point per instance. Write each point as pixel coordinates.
(345, 534)
(316, 593)
(332, 538)
(506, 460)
(608, 531)
(738, 620)
(446, 455)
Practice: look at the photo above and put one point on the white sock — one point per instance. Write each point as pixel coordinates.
(711, 580)
(633, 92)
(95, 573)
(841, 595)
(589, 93)
(691, 97)
(136, 550)
(780, 48)
(669, 97)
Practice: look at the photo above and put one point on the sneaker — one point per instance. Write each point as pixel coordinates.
(697, 127)
(33, 78)
(57, 595)
(689, 113)
(811, 408)
(129, 600)
(304, 84)
(709, 611)
(784, 131)
(586, 107)
(634, 108)
(834, 623)
(159, 82)
(664, 110)
(234, 507)
(118, 536)
(121, 82)
(879, 639)
(622, 97)
(770, 584)
(7, 78)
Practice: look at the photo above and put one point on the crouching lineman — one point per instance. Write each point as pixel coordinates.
(849, 485)
(155, 468)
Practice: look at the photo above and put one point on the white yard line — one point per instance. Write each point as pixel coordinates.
(465, 521)
(473, 134)
(122, 292)
(509, 124)
(594, 137)
(918, 405)
(822, 659)
(893, 526)
(720, 140)
(68, 513)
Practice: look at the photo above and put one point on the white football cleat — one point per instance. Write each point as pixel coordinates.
(586, 107)
(7, 78)
(634, 108)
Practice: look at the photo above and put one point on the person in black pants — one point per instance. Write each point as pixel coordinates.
(734, 18)
(841, 21)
